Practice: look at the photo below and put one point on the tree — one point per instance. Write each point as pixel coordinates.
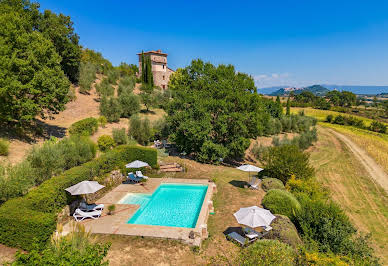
(146, 70)
(283, 161)
(129, 104)
(31, 79)
(140, 129)
(59, 29)
(288, 108)
(218, 105)
(111, 109)
(146, 95)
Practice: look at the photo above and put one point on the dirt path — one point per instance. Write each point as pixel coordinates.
(374, 170)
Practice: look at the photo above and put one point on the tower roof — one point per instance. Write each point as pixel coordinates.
(159, 52)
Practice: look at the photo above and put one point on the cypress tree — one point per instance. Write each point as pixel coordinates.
(288, 110)
(142, 67)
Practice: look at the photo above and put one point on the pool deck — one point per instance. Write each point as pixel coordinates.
(117, 223)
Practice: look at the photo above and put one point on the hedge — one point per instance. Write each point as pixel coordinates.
(271, 183)
(281, 202)
(84, 127)
(32, 218)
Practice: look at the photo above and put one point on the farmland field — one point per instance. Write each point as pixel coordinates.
(352, 187)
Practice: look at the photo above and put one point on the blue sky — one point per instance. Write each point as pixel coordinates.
(296, 43)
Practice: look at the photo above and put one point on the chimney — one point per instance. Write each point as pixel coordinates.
(159, 51)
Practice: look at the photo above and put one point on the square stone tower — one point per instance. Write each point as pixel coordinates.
(160, 70)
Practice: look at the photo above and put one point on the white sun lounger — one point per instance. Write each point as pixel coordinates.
(140, 174)
(90, 207)
(254, 184)
(81, 215)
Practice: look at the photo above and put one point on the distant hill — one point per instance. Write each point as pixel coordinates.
(357, 89)
(269, 90)
(316, 89)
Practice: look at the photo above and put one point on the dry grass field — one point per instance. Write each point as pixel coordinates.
(352, 187)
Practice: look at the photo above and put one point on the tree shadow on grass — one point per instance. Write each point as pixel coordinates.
(238, 183)
(143, 111)
(51, 130)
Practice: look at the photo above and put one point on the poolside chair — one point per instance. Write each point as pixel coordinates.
(140, 174)
(254, 184)
(90, 207)
(252, 234)
(237, 238)
(132, 178)
(81, 215)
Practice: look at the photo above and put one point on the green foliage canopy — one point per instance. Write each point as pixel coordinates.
(215, 104)
(31, 79)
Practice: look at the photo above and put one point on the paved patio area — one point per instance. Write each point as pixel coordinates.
(117, 223)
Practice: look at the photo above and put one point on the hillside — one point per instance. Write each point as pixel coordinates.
(318, 90)
(379, 91)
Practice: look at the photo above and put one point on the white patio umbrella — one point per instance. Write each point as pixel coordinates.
(254, 216)
(249, 168)
(84, 187)
(137, 164)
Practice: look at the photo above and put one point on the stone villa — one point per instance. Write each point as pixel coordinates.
(160, 70)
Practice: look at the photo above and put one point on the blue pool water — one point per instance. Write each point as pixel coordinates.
(175, 205)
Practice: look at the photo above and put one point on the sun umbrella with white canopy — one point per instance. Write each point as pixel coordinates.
(137, 164)
(84, 187)
(254, 217)
(249, 168)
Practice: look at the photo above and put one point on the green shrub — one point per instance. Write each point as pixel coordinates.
(111, 109)
(140, 129)
(119, 136)
(113, 76)
(281, 202)
(56, 156)
(267, 252)
(105, 142)
(104, 89)
(22, 227)
(284, 230)
(16, 180)
(87, 76)
(378, 127)
(4, 147)
(43, 162)
(73, 249)
(271, 183)
(325, 224)
(340, 120)
(282, 162)
(84, 127)
(212, 153)
(102, 121)
(32, 217)
(329, 118)
(130, 104)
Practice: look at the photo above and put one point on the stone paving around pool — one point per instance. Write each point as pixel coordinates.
(117, 223)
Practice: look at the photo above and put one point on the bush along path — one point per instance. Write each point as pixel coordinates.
(373, 169)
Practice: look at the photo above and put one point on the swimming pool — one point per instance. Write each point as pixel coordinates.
(176, 205)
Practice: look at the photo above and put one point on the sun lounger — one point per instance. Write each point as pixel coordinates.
(140, 174)
(133, 178)
(252, 234)
(254, 184)
(238, 238)
(90, 207)
(81, 215)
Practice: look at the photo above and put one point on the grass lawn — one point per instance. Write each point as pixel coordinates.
(364, 201)
(231, 196)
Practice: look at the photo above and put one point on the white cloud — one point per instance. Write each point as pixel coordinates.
(274, 79)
